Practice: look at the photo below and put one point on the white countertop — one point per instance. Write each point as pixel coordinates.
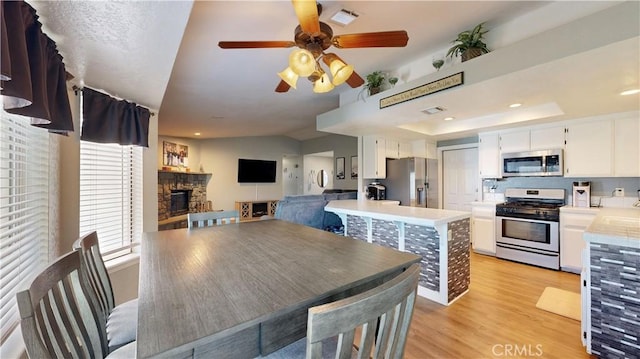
(579, 210)
(414, 215)
(618, 226)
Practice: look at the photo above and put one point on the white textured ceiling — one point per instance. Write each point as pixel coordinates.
(164, 55)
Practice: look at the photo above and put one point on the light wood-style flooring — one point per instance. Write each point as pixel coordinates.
(498, 317)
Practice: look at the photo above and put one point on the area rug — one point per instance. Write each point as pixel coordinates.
(561, 302)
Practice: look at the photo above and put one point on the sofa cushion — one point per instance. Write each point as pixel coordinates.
(309, 213)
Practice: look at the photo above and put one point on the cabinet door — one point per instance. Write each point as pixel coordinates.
(547, 138)
(489, 155)
(483, 235)
(571, 246)
(405, 150)
(627, 147)
(589, 150)
(392, 149)
(514, 141)
(373, 157)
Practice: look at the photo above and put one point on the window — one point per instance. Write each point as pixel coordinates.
(111, 195)
(24, 211)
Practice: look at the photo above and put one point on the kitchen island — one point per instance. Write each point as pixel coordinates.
(611, 283)
(440, 237)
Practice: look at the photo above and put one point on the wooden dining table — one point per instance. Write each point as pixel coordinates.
(243, 290)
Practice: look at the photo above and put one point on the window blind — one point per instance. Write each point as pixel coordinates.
(24, 211)
(111, 195)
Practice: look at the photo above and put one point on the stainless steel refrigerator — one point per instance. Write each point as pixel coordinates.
(413, 181)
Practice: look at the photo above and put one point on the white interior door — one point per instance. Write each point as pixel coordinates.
(460, 178)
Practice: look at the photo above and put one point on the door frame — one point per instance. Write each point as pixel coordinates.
(441, 169)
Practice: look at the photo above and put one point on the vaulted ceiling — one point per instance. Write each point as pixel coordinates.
(164, 55)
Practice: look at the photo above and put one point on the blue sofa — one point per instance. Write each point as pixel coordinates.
(309, 209)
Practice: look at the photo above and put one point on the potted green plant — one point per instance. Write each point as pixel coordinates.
(374, 82)
(469, 44)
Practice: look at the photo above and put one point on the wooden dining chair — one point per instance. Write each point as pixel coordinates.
(215, 218)
(121, 320)
(60, 316)
(382, 314)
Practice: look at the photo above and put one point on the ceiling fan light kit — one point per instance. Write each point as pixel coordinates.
(289, 76)
(313, 37)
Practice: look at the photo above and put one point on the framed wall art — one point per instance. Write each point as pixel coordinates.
(339, 167)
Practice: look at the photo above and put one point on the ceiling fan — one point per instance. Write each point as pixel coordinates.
(313, 37)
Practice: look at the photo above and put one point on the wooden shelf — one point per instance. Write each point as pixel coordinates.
(185, 173)
(247, 213)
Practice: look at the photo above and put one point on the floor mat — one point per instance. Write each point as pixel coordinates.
(561, 302)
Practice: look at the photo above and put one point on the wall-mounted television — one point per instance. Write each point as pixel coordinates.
(256, 171)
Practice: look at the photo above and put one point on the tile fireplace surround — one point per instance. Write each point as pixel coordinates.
(167, 181)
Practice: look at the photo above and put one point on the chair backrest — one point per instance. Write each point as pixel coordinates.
(59, 314)
(383, 315)
(96, 271)
(207, 219)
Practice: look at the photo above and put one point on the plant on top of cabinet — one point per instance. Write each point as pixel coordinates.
(374, 82)
(469, 44)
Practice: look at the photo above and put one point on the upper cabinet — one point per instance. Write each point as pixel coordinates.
(374, 152)
(627, 147)
(544, 138)
(514, 141)
(589, 150)
(547, 138)
(604, 146)
(489, 155)
(397, 149)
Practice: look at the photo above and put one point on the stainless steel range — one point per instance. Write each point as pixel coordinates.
(527, 228)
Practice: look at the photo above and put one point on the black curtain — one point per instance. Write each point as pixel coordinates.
(108, 120)
(32, 72)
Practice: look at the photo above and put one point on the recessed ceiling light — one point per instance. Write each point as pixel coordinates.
(344, 17)
(197, 133)
(514, 105)
(449, 118)
(630, 92)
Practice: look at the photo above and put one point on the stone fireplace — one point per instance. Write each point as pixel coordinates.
(180, 193)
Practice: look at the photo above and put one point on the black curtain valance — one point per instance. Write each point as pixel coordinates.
(109, 120)
(32, 74)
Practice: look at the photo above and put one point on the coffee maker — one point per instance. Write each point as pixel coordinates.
(376, 191)
(582, 194)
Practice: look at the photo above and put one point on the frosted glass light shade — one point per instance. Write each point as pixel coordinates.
(323, 84)
(340, 71)
(302, 62)
(289, 76)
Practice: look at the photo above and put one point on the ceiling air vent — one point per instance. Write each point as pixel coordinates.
(344, 17)
(433, 110)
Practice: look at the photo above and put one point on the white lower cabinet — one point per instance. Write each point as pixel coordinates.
(483, 227)
(573, 223)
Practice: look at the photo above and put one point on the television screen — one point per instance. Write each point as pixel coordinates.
(256, 171)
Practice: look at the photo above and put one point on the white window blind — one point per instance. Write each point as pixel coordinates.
(111, 195)
(24, 211)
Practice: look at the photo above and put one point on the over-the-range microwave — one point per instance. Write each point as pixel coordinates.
(532, 163)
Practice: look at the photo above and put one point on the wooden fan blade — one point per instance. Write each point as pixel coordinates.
(307, 13)
(371, 39)
(254, 44)
(355, 80)
(282, 86)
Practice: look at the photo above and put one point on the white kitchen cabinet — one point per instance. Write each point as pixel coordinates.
(589, 149)
(573, 223)
(489, 155)
(392, 148)
(627, 147)
(405, 150)
(483, 227)
(547, 138)
(514, 141)
(374, 163)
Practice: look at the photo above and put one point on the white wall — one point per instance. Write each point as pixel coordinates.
(292, 177)
(312, 166)
(220, 158)
(342, 146)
